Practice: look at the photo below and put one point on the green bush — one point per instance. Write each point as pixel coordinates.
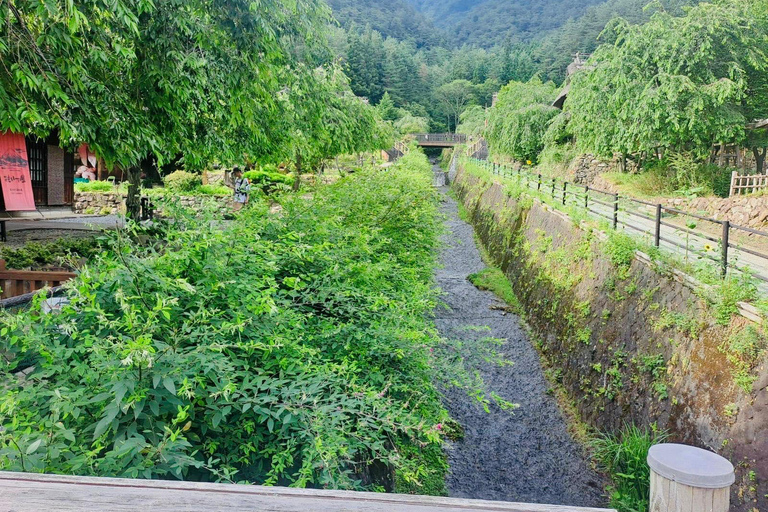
(213, 190)
(269, 181)
(624, 458)
(182, 181)
(37, 255)
(289, 349)
(95, 186)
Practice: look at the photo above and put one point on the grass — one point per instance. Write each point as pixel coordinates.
(493, 279)
(623, 457)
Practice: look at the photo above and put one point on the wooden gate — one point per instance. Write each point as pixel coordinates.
(37, 155)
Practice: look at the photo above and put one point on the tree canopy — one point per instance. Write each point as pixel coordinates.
(681, 83)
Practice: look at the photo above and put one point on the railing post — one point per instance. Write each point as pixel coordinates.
(616, 212)
(565, 192)
(553, 188)
(657, 235)
(586, 197)
(688, 479)
(539, 186)
(726, 245)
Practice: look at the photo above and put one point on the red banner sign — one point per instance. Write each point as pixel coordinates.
(15, 179)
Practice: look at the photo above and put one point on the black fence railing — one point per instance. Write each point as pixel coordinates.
(692, 236)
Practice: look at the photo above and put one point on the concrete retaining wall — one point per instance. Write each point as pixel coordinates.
(630, 344)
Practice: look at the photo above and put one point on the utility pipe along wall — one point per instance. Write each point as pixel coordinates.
(630, 344)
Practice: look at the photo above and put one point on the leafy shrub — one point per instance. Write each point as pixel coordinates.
(621, 249)
(624, 457)
(291, 349)
(213, 190)
(269, 181)
(34, 255)
(182, 181)
(94, 186)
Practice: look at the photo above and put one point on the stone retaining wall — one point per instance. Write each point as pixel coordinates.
(628, 344)
(114, 203)
(98, 203)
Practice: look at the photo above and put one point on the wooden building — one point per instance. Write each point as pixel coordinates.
(52, 171)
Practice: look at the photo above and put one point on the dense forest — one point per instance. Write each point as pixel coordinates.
(389, 47)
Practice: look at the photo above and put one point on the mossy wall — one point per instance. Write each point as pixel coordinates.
(629, 342)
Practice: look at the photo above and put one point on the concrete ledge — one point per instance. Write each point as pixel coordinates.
(24, 492)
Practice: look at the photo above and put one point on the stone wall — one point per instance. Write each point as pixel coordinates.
(629, 344)
(98, 203)
(114, 203)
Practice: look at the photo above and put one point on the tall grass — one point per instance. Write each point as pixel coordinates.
(624, 457)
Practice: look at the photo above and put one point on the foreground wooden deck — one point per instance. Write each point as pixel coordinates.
(23, 492)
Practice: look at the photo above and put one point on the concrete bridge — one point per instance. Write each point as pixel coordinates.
(439, 140)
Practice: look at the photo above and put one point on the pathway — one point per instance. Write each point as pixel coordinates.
(524, 456)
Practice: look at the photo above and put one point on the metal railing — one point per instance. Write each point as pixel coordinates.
(695, 237)
(453, 138)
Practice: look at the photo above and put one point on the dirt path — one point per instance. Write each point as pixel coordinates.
(526, 456)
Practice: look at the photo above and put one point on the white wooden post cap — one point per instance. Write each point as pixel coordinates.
(691, 466)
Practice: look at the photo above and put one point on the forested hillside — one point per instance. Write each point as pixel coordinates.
(489, 22)
(391, 18)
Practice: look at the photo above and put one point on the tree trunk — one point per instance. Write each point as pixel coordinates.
(133, 201)
(297, 181)
(760, 154)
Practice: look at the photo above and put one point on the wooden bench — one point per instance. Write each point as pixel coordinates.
(24, 492)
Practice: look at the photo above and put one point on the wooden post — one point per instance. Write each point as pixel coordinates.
(734, 177)
(688, 479)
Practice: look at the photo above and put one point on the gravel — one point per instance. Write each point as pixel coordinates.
(521, 456)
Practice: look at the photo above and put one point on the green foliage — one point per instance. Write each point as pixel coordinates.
(213, 190)
(624, 457)
(35, 255)
(493, 279)
(745, 349)
(287, 349)
(472, 121)
(621, 249)
(94, 186)
(269, 181)
(182, 181)
(521, 118)
(674, 82)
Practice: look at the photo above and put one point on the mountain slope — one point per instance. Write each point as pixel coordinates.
(391, 18)
(486, 23)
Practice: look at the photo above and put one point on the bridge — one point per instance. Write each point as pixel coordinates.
(439, 140)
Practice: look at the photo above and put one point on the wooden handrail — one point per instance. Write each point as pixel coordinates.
(19, 282)
(24, 492)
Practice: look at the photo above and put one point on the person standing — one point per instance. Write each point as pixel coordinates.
(242, 189)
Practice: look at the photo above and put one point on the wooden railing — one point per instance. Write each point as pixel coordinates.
(20, 282)
(476, 147)
(22, 492)
(402, 147)
(747, 184)
(428, 139)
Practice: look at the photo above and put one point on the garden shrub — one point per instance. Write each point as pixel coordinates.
(269, 181)
(36, 255)
(289, 349)
(95, 186)
(182, 181)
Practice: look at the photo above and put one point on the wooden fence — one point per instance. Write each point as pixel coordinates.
(741, 185)
(20, 282)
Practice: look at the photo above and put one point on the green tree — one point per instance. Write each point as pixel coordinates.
(675, 83)
(198, 80)
(454, 97)
(521, 117)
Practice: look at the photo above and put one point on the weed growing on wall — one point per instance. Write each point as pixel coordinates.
(278, 349)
